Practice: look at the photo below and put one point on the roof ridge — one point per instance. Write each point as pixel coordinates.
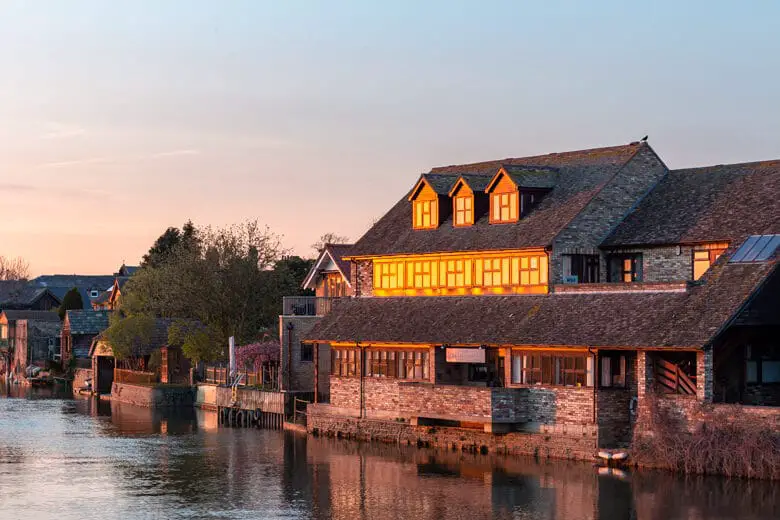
(702, 169)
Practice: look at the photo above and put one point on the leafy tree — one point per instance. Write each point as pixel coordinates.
(223, 278)
(328, 238)
(127, 334)
(171, 240)
(72, 300)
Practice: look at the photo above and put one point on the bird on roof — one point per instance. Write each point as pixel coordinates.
(644, 139)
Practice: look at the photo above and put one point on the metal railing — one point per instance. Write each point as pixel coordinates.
(308, 305)
(266, 378)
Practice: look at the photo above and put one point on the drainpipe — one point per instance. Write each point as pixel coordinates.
(595, 371)
(360, 369)
(290, 327)
(316, 372)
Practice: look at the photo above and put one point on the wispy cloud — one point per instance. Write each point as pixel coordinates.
(56, 130)
(173, 153)
(9, 187)
(76, 162)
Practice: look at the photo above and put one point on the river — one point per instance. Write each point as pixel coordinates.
(82, 459)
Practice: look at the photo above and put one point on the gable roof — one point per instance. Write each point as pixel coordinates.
(15, 315)
(19, 293)
(534, 177)
(580, 174)
(711, 204)
(87, 321)
(689, 319)
(336, 253)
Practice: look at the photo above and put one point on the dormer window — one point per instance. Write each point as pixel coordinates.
(462, 204)
(503, 207)
(425, 206)
(515, 190)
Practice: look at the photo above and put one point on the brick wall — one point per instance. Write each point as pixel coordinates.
(362, 278)
(660, 264)
(428, 400)
(615, 200)
(153, 396)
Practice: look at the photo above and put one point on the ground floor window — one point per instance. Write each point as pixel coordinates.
(411, 364)
(613, 370)
(307, 352)
(762, 365)
(552, 368)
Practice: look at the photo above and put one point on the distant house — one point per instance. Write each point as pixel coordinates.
(89, 286)
(109, 300)
(20, 295)
(126, 271)
(35, 343)
(141, 366)
(8, 322)
(78, 330)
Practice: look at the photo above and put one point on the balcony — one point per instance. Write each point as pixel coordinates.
(308, 305)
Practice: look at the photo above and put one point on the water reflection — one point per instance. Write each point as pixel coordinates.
(96, 459)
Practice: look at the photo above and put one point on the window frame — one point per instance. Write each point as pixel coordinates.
(712, 253)
(635, 269)
(759, 355)
(463, 217)
(505, 200)
(306, 352)
(422, 208)
(546, 368)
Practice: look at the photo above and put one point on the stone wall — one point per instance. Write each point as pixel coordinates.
(660, 264)
(362, 278)
(302, 372)
(434, 401)
(206, 396)
(578, 445)
(607, 208)
(159, 396)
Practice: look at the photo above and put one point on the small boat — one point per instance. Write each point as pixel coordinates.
(615, 456)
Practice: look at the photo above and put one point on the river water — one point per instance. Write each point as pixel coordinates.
(83, 459)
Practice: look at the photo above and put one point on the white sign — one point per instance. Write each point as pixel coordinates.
(465, 355)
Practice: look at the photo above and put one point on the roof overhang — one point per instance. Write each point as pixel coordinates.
(310, 281)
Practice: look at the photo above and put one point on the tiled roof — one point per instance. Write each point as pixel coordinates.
(631, 319)
(15, 293)
(338, 252)
(87, 321)
(46, 328)
(14, 315)
(580, 175)
(716, 203)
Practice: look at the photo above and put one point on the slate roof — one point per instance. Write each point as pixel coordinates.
(14, 293)
(638, 319)
(87, 321)
(579, 176)
(14, 315)
(716, 203)
(338, 252)
(49, 329)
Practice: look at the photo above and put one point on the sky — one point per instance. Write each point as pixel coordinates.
(119, 119)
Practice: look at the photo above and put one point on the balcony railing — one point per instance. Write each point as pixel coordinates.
(308, 305)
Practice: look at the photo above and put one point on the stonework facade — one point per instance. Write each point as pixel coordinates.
(298, 371)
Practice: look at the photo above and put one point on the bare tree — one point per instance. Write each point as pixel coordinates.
(14, 268)
(329, 238)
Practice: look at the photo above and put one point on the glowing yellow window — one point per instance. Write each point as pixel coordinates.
(464, 210)
(704, 258)
(503, 207)
(422, 274)
(492, 272)
(426, 214)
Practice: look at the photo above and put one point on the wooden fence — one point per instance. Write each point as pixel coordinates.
(134, 377)
(671, 379)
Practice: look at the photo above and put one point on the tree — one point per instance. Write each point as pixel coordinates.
(171, 240)
(14, 269)
(72, 300)
(223, 278)
(329, 238)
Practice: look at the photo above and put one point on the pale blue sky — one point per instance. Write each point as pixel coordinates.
(119, 118)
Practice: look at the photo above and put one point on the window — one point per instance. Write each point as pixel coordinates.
(613, 370)
(581, 268)
(625, 268)
(503, 207)
(307, 352)
(491, 272)
(549, 368)
(426, 215)
(762, 365)
(413, 364)
(422, 273)
(704, 257)
(93, 293)
(390, 275)
(527, 202)
(344, 362)
(464, 210)
(456, 273)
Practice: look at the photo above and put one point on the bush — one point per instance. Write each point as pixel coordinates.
(727, 442)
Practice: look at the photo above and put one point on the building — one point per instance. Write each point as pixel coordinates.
(79, 328)
(20, 295)
(9, 319)
(36, 343)
(554, 296)
(329, 279)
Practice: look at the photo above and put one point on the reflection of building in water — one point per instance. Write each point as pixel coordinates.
(369, 481)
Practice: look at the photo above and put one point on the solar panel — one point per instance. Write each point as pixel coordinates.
(756, 248)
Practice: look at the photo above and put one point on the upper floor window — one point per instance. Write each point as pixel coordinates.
(464, 210)
(425, 214)
(625, 268)
(581, 268)
(503, 207)
(704, 256)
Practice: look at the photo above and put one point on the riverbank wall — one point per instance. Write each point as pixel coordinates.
(565, 443)
(154, 396)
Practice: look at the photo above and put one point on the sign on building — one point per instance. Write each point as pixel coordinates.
(465, 355)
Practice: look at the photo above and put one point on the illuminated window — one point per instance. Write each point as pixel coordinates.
(704, 257)
(391, 275)
(556, 369)
(456, 273)
(503, 207)
(491, 272)
(425, 214)
(464, 210)
(422, 274)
